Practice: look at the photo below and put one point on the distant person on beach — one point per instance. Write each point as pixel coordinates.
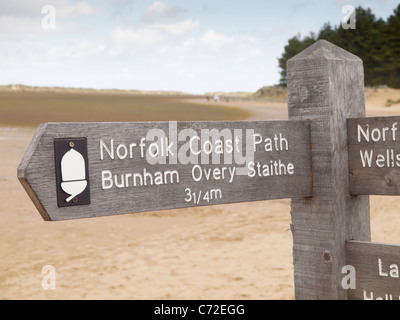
(216, 98)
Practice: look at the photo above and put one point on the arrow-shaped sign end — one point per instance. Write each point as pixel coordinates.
(23, 171)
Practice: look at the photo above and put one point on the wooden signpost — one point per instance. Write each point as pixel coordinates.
(328, 158)
(146, 166)
(374, 163)
(376, 270)
(374, 155)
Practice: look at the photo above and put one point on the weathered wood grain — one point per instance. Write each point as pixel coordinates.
(216, 186)
(326, 85)
(377, 169)
(376, 268)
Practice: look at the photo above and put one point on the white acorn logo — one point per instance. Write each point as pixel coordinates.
(73, 174)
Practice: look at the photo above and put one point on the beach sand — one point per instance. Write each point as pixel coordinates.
(237, 251)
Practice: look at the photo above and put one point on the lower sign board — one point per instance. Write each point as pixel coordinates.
(374, 155)
(376, 270)
(81, 170)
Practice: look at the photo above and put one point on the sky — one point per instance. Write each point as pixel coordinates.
(171, 45)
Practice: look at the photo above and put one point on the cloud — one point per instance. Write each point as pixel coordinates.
(214, 40)
(32, 9)
(159, 12)
(176, 43)
(119, 7)
(132, 39)
(23, 19)
(181, 28)
(10, 26)
(20, 7)
(161, 29)
(240, 48)
(69, 10)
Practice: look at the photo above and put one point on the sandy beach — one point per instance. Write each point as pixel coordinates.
(237, 251)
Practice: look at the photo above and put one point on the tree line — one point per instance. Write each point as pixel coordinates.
(375, 41)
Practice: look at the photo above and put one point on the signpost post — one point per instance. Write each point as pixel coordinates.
(326, 85)
(328, 158)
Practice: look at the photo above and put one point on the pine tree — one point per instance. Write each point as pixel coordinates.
(365, 41)
(375, 41)
(392, 49)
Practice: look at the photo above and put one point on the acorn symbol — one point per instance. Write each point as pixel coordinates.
(73, 174)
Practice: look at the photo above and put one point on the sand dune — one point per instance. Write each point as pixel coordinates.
(238, 251)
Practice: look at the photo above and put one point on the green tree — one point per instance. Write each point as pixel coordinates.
(375, 41)
(391, 49)
(328, 33)
(365, 42)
